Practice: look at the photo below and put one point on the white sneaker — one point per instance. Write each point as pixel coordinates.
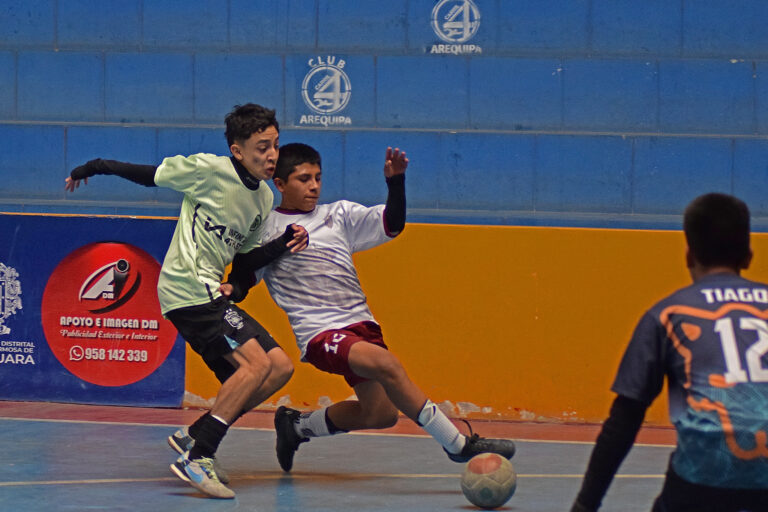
(199, 473)
(182, 442)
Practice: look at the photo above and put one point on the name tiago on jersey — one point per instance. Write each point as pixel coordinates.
(712, 295)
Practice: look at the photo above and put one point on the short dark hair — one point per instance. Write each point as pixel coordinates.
(717, 228)
(294, 154)
(245, 120)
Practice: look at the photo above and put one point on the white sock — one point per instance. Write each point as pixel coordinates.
(219, 418)
(440, 427)
(312, 424)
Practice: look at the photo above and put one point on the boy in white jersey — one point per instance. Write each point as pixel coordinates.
(224, 206)
(320, 291)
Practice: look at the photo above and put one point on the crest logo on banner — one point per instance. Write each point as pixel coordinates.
(455, 22)
(10, 291)
(326, 90)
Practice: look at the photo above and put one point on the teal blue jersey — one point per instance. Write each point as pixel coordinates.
(710, 340)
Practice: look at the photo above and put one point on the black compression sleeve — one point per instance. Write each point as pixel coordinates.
(245, 264)
(141, 174)
(394, 210)
(614, 442)
(241, 283)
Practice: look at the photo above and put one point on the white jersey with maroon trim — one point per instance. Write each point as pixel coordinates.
(318, 287)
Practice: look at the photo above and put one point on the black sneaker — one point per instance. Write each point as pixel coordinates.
(476, 445)
(288, 440)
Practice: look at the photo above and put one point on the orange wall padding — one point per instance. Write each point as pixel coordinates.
(518, 323)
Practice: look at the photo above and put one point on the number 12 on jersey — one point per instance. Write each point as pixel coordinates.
(735, 372)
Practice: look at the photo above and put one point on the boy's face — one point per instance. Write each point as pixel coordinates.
(258, 153)
(302, 188)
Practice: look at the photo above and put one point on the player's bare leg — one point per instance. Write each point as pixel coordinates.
(372, 409)
(280, 373)
(281, 370)
(253, 367)
(377, 363)
(196, 467)
(383, 368)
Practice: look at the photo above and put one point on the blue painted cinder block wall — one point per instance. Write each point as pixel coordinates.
(570, 112)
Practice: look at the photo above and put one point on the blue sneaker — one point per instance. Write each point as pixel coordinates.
(182, 443)
(199, 473)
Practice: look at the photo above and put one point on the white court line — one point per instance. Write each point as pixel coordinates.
(388, 434)
(305, 476)
(130, 424)
(88, 481)
(546, 441)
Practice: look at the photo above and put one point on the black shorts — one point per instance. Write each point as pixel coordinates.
(216, 329)
(680, 495)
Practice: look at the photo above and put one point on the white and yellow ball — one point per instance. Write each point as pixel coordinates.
(489, 480)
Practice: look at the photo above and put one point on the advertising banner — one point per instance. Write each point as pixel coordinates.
(79, 316)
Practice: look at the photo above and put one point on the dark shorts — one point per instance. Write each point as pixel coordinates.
(329, 350)
(216, 329)
(679, 495)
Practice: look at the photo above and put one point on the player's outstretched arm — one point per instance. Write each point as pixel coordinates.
(241, 278)
(395, 164)
(141, 174)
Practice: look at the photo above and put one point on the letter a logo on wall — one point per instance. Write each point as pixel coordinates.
(107, 283)
(326, 90)
(10, 290)
(455, 21)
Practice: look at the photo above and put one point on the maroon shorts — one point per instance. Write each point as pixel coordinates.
(329, 350)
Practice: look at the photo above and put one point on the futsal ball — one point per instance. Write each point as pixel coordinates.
(489, 480)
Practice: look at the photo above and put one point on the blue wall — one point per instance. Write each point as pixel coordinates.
(576, 112)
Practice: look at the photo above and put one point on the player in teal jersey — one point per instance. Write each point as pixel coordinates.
(710, 339)
(225, 203)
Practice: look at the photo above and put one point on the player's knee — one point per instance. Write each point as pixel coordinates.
(282, 366)
(286, 371)
(256, 367)
(390, 369)
(256, 374)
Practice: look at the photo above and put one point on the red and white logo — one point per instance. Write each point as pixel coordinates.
(107, 283)
(101, 316)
